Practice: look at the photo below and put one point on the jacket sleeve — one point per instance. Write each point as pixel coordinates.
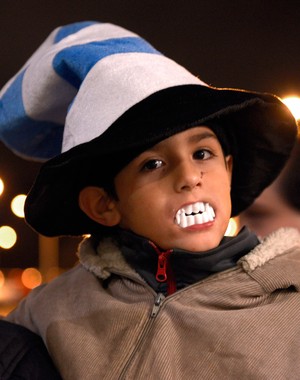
(23, 313)
(23, 355)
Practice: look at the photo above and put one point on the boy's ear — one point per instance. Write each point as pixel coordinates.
(229, 165)
(99, 206)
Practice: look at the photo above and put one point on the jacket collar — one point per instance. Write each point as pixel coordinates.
(275, 263)
(166, 271)
(270, 256)
(273, 245)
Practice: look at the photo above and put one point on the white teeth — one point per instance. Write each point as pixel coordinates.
(190, 219)
(188, 209)
(195, 208)
(211, 212)
(196, 213)
(198, 219)
(183, 221)
(205, 217)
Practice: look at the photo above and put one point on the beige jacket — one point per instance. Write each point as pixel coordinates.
(101, 321)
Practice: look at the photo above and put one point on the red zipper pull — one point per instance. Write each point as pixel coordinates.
(161, 274)
(162, 266)
(164, 273)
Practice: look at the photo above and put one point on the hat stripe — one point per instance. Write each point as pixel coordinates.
(68, 62)
(117, 74)
(23, 135)
(67, 30)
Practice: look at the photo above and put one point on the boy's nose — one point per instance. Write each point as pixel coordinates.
(188, 176)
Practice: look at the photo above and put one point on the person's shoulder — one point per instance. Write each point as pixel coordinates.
(23, 354)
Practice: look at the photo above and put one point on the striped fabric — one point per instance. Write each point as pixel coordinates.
(81, 79)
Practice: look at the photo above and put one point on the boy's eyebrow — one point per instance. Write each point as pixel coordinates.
(202, 135)
(198, 136)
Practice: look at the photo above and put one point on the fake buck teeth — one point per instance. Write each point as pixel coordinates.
(196, 213)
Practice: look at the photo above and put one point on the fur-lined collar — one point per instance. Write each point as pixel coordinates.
(273, 245)
(107, 257)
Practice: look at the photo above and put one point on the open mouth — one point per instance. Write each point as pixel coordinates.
(195, 213)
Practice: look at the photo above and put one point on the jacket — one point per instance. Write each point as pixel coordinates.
(101, 320)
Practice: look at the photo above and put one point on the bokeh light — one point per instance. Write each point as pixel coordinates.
(1, 186)
(232, 227)
(8, 237)
(14, 275)
(293, 103)
(31, 278)
(17, 205)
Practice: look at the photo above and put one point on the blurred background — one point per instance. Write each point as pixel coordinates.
(244, 44)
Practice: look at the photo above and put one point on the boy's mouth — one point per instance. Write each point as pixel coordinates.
(195, 213)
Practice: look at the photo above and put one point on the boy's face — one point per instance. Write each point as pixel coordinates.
(183, 174)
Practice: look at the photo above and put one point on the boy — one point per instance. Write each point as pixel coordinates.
(154, 163)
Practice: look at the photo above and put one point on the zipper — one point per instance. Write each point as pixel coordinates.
(158, 302)
(157, 305)
(161, 273)
(164, 272)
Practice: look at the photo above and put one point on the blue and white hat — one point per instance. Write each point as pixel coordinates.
(81, 80)
(96, 92)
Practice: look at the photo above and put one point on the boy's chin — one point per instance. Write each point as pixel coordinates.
(205, 241)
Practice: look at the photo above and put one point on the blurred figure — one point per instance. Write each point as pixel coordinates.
(279, 204)
(23, 355)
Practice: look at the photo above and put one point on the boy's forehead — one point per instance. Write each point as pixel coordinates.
(191, 135)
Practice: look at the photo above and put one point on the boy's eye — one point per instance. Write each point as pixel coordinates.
(202, 154)
(152, 165)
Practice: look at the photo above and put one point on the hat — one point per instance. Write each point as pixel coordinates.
(95, 95)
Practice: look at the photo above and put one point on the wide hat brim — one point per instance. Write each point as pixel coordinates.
(259, 126)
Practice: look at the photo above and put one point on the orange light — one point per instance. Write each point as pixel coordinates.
(31, 278)
(2, 279)
(293, 103)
